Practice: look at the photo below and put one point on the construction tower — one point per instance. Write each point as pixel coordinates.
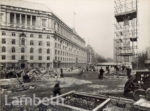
(126, 32)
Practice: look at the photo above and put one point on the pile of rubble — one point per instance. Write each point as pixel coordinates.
(22, 80)
(28, 79)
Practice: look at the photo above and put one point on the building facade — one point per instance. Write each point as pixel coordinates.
(91, 59)
(32, 36)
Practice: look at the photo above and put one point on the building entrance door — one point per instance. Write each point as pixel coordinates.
(22, 65)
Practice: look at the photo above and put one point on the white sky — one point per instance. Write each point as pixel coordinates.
(94, 21)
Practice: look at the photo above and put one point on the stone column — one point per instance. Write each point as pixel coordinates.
(36, 25)
(38, 22)
(31, 21)
(25, 21)
(20, 20)
(52, 24)
(3, 17)
(15, 19)
(8, 19)
(48, 23)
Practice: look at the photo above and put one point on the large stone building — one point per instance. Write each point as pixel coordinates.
(32, 36)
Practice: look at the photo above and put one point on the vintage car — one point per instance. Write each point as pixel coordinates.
(138, 84)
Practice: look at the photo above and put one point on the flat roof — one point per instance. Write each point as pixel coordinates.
(126, 15)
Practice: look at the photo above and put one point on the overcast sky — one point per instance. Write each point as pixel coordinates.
(94, 21)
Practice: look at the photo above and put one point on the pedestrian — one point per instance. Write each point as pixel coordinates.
(117, 70)
(128, 72)
(81, 71)
(101, 72)
(123, 68)
(94, 68)
(87, 69)
(26, 77)
(107, 68)
(56, 89)
(61, 73)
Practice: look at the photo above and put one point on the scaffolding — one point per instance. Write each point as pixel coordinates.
(126, 31)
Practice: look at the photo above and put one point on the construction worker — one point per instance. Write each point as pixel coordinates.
(56, 89)
(128, 71)
(101, 72)
(61, 73)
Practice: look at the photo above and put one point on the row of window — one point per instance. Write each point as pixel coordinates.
(13, 33)
(13, 57)
(39, 64)
(67, 59)
(13, 41)
(57, 52)
(13, 50)
(23, 42)
(31, 35)
(61, 41)
(39, 50)
(63, 59)
(68, 54)
(64, 47)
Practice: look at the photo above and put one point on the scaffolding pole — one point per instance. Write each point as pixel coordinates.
(126, 33)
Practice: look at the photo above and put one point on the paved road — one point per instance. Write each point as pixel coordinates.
(111, 84)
